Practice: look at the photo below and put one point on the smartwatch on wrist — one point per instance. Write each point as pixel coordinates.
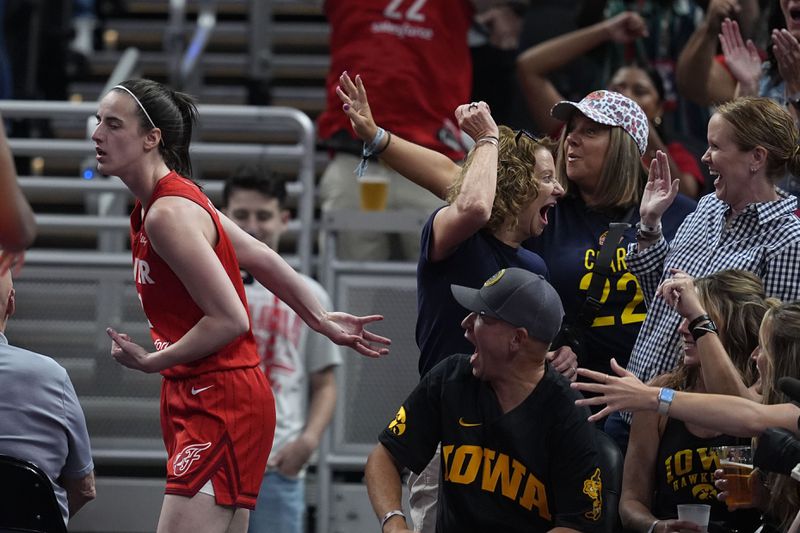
(665, 397)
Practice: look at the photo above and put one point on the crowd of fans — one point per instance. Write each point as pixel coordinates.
(642, 247)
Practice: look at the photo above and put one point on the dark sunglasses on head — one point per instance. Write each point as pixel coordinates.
(527, 134)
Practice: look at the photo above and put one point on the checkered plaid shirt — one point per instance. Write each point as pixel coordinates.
(764, 239)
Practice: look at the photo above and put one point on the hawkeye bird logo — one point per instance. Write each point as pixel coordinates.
(593, 487)
(495, 278)
(398, 425)
(183, 461)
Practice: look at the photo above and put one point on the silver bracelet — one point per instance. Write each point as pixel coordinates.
(490, 139)
(387, 516)
(652, 527)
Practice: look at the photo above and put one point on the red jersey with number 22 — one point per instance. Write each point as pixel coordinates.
(169, 308)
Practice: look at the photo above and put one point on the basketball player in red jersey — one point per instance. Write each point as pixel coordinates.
(217, 410)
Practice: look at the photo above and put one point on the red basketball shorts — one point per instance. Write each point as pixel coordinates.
(218, 426)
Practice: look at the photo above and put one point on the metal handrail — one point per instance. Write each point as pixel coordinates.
(124, 69)
(301, 151)
(206, 22)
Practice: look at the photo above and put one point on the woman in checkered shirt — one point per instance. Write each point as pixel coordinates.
(748, 223)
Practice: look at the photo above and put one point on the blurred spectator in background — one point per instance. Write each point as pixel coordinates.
(701, 76)
(777, 78)
(299, 362)
(670, 23)
(639, 82)
(41, 420)
(416, 60)
(493, 41)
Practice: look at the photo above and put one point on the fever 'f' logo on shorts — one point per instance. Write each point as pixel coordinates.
(184, 459)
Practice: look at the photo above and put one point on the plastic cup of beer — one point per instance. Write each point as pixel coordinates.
(696, 513)
(374, 191)
(737, 464)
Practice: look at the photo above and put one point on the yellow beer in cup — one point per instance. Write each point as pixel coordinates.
(374, 191)
(737, 464)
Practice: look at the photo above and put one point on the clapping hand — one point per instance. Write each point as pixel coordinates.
(719, 10)
(742, 58)
(787, 55)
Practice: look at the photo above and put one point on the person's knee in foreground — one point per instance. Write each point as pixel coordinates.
(298, 362)
(516, 455)
(217, 411)
(50, 429)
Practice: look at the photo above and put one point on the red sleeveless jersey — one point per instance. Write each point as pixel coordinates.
(413, 57)
(169, 308)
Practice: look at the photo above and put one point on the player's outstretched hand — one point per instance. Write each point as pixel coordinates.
(623, 393)
(348, 330)
(128, 353)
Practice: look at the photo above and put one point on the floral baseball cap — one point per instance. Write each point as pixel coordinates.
(611, 109)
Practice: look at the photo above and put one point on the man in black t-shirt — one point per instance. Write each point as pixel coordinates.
(517, 454)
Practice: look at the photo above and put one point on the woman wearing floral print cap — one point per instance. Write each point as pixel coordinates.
(598, 161)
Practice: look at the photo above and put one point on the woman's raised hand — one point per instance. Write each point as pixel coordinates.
(476, 120)
(680, 294)
(626, 27)
(659, 192)
(741, 58)
(356, 106)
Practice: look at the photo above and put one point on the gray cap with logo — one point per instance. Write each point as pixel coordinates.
(519, 297)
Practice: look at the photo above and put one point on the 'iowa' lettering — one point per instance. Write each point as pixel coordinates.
(499, 474)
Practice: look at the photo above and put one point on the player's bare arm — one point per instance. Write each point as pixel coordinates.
(275, 274)
(183, 234)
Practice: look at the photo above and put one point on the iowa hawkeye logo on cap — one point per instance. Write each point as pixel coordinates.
(495, 278)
